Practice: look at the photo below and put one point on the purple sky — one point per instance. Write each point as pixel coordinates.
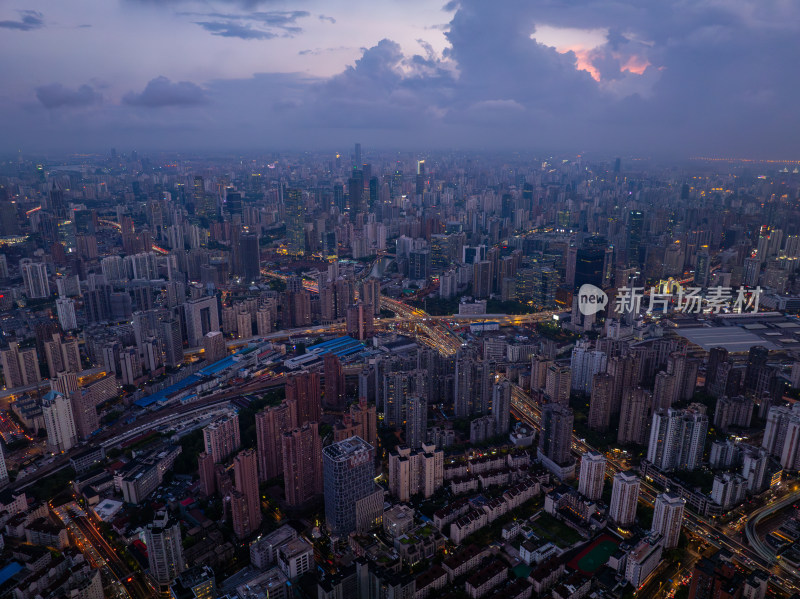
(682, 78)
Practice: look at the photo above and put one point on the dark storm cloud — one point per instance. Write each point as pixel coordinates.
(29, 19)
(161, 92)
(252, 26)
(56, 95)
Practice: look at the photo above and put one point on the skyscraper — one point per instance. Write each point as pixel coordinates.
(702, 269)
(294, 209)
(250, 257)
(590, 262)
(360, 321)
(353, 502)
(637, 405)
(677, 438)
(558, 384)
(34, 276)
(247, 518)
(221, 437)
(172, 343)
(635, 233)
(164, 550)
(624, 498)
(592, 475)
(302, 464)
(202, 317)
(20, 367)
(600, 402)
(668, 517)
(65, 308)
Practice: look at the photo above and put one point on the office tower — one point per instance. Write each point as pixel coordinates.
(592, 475)
(221, 437)
(591, 263)
(555, 440)
(416, 421)
(635, 235)
(302, 464)
(206, 471)
(334, 382)
(164, 549)
(214, 347)
(637, 405)
(558, 384)
(304, 389)
(418, 264)
(702, 269)
(20, 367)
(353, 502)
(202, 317)
(624, 498)
(752, 269)
(59, 422)
(34, 276)
(84, 411)
(584, 364)
(668, 517)
(600, 402)
(247, 515)
(677, 438)
(360, 321)
(3, 469)
(271, 424)
(250, 257)
(66, 314)
(171, 342)
(501, 406)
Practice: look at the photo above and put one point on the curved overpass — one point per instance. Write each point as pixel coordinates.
(758, 545)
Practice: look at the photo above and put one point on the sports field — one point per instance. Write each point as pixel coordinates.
(595, 555)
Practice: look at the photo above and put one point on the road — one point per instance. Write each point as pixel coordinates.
(758, 543)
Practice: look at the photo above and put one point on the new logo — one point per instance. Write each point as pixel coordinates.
(591, 299)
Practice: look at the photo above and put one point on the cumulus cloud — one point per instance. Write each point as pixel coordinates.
(161, 92)
(56, 95)
(29, 19)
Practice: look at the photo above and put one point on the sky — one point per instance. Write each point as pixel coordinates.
(686, 78)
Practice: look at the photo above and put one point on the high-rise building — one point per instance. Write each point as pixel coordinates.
(756, 361)
(635, 234)
(202, 317)
(221, 437)
(304, 389)
(164, 549)
(775, 430)
(335, 397)
(416, 421)
(170, 335)
(677, 438)
(624, 499)
(3, 469)
(637, 405)
(250, 257)
(62, 355)
(20, 367)
(591, 263)
(247, 516)
(59, 422)
(555, 440)
(271, 424)
(214, 346)
(413, 472)
(668, 517)
(501, 406)
(790, 456)
(600, 401)
(585, 363)
(592, 475)
(558, 384)
(302, 464)
(65, 308)
(84, 410)
(360, 321)
(34, 276)
(702, 269)
(206, 471)
(353, 502)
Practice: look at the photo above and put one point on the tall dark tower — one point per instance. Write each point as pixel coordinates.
(357, 156)
(590, 262)
(635, 233)
(249, 256)
(355, 189)
(295, 221)
(57, 204)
